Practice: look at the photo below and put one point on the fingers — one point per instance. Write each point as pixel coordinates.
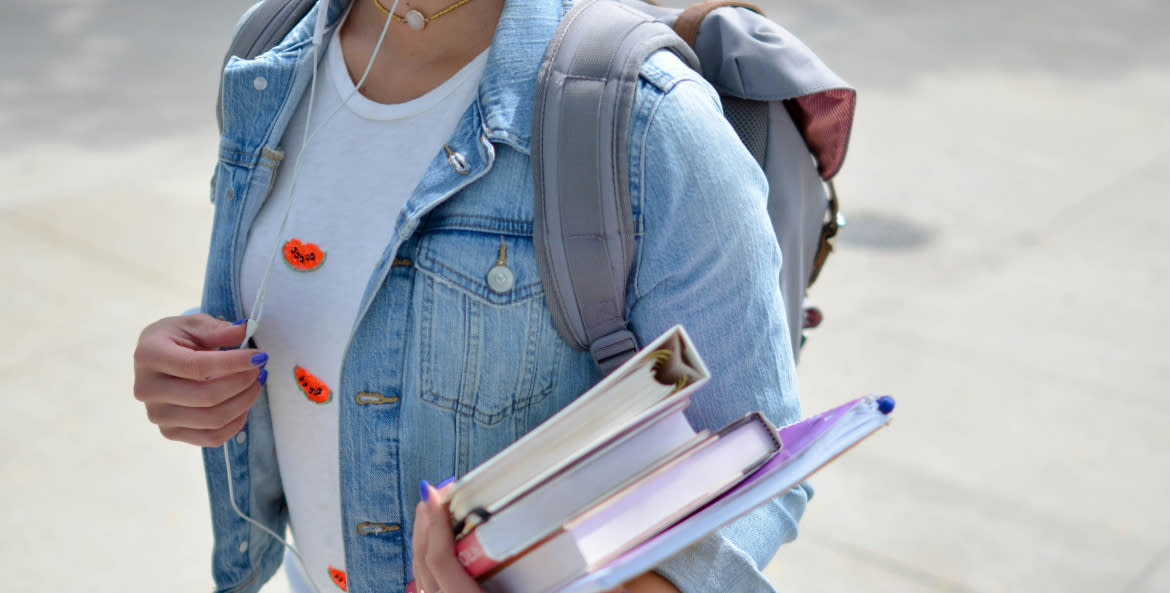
(154, 388)
(189, 347)
(205, 438)
(442, 567)
(418, 548)
(205, 332)
(444, 488)
(167, 353)
(418, 544)
(647, 582)
(195, 392)
(205, 418)
(206, 427)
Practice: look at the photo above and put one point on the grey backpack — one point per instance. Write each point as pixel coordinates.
(771, 86)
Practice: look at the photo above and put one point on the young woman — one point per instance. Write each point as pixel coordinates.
(386, 354)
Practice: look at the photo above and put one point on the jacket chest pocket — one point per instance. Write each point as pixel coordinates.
(488, 348)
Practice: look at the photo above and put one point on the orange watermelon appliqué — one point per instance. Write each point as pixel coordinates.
(303, 257)
(338, 577)
(315, 389)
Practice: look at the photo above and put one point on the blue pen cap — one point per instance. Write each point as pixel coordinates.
(885, 404)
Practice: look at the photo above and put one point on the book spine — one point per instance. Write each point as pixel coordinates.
(473, 557)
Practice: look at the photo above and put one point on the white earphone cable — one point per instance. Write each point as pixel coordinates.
(262, 292)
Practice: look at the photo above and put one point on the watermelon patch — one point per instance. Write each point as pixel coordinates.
(338, 577)
(313, 388)
(303, 257)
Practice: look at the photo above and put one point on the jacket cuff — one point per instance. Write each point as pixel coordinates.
(732, 559)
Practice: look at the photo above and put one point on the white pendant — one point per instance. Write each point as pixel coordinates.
(415, 20)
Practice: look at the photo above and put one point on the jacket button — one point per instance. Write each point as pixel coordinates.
(367, 398)
(374, 528)
(458, 160)
(243, 546)
(501, 279)
(260, 83)
(240, 438)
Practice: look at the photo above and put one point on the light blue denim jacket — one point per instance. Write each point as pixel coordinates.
(441, 371)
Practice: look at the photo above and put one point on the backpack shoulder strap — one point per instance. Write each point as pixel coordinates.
(263, 26)
(583, 230)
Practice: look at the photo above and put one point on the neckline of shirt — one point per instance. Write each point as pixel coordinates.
(366, 108)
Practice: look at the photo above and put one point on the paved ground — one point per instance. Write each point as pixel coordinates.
(1009, 246)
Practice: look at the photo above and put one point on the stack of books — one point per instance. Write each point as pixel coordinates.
(620, 480)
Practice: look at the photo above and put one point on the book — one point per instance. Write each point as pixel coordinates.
(667, 368)
(642, 509)
(808, 446)
(629, 454)
(619, 481)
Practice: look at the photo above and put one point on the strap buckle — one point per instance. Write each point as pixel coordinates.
(610, 351)
(834, 221)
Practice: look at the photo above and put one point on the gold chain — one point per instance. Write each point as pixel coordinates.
(426, 19)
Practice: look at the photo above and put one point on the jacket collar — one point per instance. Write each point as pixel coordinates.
(508, 87)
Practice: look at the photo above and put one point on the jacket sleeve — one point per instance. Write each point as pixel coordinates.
(707, 258)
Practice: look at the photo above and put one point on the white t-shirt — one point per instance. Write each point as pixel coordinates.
(355, 176)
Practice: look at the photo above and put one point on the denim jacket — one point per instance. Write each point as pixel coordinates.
(442, 371)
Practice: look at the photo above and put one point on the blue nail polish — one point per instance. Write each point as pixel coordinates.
(241, 322)
(445, 482)
(422, 490)
(263, 378)
(885, 404)
(259, 358)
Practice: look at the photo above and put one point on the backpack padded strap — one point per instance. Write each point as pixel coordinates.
(584, 231)
(687, 25)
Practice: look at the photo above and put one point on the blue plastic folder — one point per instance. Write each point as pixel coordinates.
(808, 445)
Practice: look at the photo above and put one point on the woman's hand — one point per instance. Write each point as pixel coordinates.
(437, 570)
(194, 391)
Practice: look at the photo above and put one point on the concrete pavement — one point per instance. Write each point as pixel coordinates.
(1001, 275)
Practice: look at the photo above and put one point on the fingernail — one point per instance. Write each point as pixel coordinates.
(263, 378)
(445, 482)
(259, 358)
(423, 490)
(241, 322)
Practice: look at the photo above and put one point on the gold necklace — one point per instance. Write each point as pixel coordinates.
(415, 19)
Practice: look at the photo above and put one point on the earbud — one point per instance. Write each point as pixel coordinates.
(322, 19)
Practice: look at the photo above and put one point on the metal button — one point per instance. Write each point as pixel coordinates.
(366, 398)
(457, 160)
(260, 83)
(240, 438)
(243, 546)
(373, 528)
(501, 279)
